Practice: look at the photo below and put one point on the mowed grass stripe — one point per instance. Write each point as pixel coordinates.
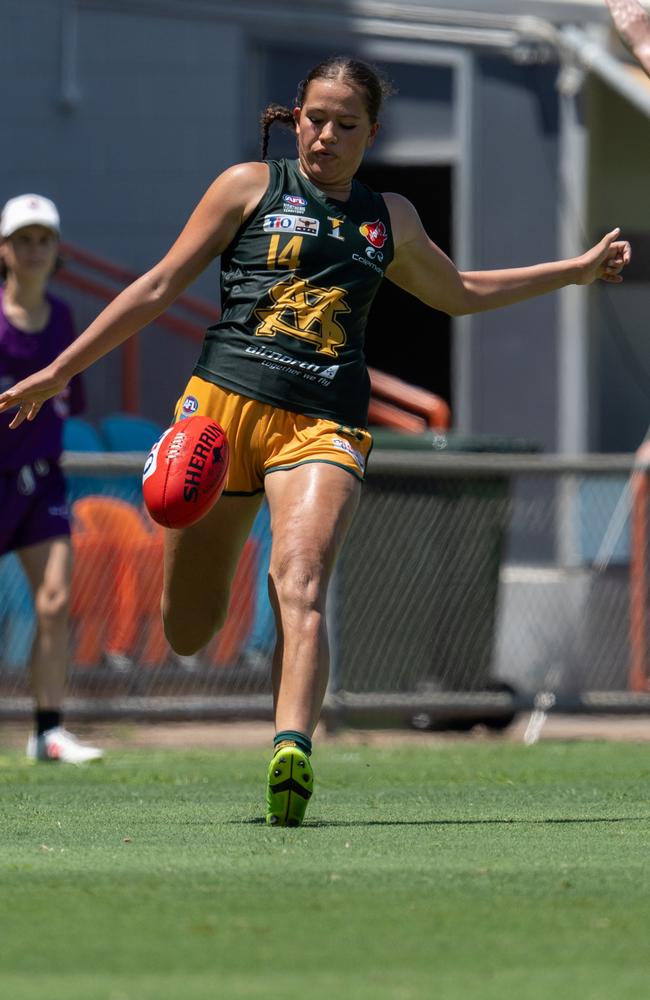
(463, 870)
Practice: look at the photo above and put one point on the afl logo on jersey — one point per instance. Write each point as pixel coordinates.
(374, 232)
(294, 200)
(190, 406)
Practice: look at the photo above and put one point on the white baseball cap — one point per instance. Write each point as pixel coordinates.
(29, 210)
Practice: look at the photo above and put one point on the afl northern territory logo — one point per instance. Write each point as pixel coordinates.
(374, 232)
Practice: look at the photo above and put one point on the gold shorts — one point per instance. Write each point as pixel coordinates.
(263, 438)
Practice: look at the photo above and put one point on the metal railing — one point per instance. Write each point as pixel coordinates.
(470, 587)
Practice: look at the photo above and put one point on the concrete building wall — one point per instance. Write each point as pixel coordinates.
(515, 150)
(620, 363)
(123, 119)
(123, 113)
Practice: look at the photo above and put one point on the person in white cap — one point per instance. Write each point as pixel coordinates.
(34, 328)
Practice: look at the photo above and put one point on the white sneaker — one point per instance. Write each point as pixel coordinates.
(59, 745)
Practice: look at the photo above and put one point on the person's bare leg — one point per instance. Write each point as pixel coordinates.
(48, 566)
(312, 507)
(199, 566)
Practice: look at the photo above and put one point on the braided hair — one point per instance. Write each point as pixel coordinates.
(353, 71)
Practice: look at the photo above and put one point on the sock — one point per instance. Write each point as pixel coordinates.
(46, 718)
(302, 741)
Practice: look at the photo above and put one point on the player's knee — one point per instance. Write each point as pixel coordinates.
(299, 583)
(52, 605)
(187, 631)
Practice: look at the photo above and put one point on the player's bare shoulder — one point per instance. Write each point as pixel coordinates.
(404, 219)
(229, 201)
(242, 186)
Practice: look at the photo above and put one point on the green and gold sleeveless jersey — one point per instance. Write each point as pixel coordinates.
(297, 283)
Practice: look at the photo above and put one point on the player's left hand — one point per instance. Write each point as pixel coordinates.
(631, 21)
(606, 260)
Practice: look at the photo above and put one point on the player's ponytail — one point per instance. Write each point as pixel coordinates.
(274, 113)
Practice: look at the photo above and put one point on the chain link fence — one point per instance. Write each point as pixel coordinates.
(470, 587)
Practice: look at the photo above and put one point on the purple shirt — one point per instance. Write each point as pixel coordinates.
(22, 354)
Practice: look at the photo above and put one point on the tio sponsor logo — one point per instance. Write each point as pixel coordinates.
(291, 224)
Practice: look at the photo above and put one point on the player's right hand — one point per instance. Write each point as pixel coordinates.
(30, 394)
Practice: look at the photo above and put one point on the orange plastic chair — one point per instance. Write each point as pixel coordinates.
(93, 579)
(117, 581)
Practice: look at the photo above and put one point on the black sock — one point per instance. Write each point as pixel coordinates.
(302, 741)
(46, 718)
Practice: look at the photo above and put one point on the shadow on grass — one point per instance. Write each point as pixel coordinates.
(316, 823)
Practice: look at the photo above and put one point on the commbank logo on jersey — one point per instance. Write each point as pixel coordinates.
(305, 312)
(374, 232)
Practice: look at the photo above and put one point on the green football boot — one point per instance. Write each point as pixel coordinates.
(291, 782)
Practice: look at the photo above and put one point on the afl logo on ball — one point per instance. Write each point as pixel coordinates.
(190, 406)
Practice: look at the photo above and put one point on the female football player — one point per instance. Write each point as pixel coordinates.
(303, 247)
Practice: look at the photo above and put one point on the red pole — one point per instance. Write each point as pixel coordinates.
(639, 659)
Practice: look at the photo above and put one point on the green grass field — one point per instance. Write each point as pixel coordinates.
(473, 870)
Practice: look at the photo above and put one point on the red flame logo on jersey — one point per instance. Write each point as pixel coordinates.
(374, 232)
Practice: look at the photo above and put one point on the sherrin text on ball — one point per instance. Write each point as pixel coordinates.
(185, 472)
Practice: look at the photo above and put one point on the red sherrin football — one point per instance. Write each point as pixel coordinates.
(185, 472)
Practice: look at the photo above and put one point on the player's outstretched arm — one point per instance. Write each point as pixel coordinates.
(212, 225)
(632, 22)
(422, 269)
